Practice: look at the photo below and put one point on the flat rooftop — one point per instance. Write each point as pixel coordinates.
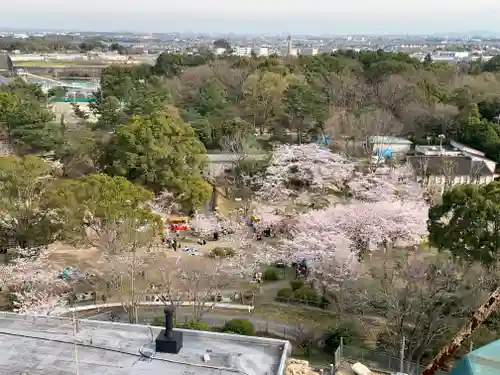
(41, 345)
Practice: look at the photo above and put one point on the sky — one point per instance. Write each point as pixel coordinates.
(256, 16)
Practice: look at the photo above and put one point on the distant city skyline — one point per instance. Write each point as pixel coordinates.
(256, 16)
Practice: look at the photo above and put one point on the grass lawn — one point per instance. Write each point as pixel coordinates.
(314, 319)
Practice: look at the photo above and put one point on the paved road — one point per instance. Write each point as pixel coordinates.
(228, 158)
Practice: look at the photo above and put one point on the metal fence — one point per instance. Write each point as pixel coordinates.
(377, 360)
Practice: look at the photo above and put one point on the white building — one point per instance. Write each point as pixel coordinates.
(261, 51)
(385, 144)
(242, 51)
(455, 165)
(220, 51)
(309, 51)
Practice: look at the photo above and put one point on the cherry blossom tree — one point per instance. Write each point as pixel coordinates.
(34, 283)
(342, 234)
(395, 184)
(205, 225)
(297, 167)
(126, 273)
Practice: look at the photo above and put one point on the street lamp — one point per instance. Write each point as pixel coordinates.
(441, 137)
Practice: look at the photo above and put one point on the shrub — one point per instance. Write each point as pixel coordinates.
(198, 325)
(223, 252)
(296, 284)
(158, 321)
(271, 274)
(240, 327)
(284, 294)
(306, 295)
(349, 331)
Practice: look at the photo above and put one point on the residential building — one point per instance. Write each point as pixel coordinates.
(482, 361)
(35, 345)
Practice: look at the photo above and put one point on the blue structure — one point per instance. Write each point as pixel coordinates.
(482, 361)
(384, 152)
(323, 140)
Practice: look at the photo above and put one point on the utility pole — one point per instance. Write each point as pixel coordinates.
(402, 355)
(75, 346)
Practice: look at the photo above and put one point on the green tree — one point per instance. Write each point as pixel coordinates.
(302, 104)
(148, 96)
(467, 222)
(427, 60)
(210, 100)
(222, 43)
(57, 92)
(161, 152)
(492, 65)
(477, 132)
(98, 203)
(26, 120)
(172, 64)
(239, 327)
(27, 217)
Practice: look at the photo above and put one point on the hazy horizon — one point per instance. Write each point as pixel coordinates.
(257, 16)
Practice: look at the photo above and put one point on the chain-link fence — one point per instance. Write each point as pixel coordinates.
(377, 360)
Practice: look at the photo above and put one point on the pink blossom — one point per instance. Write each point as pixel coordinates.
(303, 166)
(333, 235)
(34, 281)
(396, 184)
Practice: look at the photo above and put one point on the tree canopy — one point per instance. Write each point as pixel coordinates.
(467, 222)
(161, 152)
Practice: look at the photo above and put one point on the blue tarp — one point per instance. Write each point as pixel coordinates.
(384, 152)
(323, 140)
(482, 361)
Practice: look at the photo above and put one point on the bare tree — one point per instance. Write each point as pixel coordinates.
(304, 337)
(194, 282)
(422, 297)
(478, 318)
(127, 280)
(476, 169)
(232, 78)
(448, 169)
(421, 168)
(126, 257)
(372, 130)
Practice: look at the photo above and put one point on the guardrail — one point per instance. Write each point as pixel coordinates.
(213, 305)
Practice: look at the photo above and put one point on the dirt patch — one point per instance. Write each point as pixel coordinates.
(82, 257)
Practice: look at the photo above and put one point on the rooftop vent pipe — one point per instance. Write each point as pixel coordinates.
(168, 340)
